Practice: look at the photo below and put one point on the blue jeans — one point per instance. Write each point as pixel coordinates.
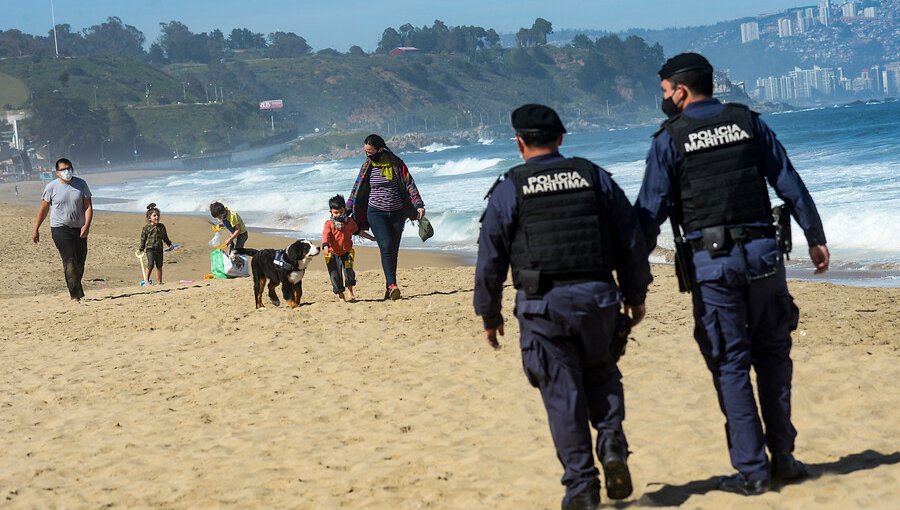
(387, 227)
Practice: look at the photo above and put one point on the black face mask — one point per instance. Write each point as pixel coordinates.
(669, 107)
(378, 157)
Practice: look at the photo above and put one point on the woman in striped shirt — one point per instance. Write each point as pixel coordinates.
(384, 196)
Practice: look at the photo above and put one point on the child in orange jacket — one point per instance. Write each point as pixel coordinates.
(337, 244)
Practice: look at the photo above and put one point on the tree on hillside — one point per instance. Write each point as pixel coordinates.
(70, 43)
(156, 55)
(69, 124)
(244, 39)
(114, 38)
(492, 38)
(176, 42)
(540, 29)
(15, 43)
(179, 44)
(357, 51)
(536, 35)
(215, 42)
(596, 76)
(287, 44)
(390, 39)
(523, 38)
(582, 42)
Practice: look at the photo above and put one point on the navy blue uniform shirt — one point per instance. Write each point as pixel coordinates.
(655, 197)
(497, 229)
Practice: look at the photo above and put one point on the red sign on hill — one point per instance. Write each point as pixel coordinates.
(271, 104)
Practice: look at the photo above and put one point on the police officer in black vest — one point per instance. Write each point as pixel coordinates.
(566, 227)
(707, 170)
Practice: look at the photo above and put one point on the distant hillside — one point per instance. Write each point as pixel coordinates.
(123, 109)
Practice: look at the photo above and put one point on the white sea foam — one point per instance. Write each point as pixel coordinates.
(850, 170)
(461, 166)
(438, 147)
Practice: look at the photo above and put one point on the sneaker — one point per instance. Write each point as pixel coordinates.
(613, 458)
(737, 484)
(393, 292)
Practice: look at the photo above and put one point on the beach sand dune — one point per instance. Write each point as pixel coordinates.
(184, 396)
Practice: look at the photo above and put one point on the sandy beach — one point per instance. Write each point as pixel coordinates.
(184, 396)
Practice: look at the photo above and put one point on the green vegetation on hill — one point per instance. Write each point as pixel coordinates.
(13, 92)
(163, 104)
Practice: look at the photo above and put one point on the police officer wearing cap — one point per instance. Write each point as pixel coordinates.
(565, 226)
(707, 170)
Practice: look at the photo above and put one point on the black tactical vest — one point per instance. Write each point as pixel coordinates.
(563, 232)
(719, 177)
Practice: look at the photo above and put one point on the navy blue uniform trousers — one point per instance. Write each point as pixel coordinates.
(565, 339)
(743, 321)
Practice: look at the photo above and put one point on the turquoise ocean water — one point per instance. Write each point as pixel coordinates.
(848, 155)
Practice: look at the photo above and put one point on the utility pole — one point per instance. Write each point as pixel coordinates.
(53, 17)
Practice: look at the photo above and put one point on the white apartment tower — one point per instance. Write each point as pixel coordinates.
(825, 12)
(848, 10)
(749, 32)
(784, 28)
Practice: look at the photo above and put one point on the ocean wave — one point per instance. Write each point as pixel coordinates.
(438, 147)
(460, 167)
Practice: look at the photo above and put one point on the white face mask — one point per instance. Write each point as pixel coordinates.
(66, 175)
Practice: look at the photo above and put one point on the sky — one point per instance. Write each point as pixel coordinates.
(340, 24)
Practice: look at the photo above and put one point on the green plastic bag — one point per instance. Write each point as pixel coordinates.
(216, 265)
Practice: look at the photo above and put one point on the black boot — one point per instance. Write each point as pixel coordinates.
(614, 459)
(786, 467)
(588, 499)
(739, 485)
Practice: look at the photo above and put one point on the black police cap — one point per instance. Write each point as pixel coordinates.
(684, 62)
(533, 118)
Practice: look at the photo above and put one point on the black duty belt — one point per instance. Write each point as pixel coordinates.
(740, 234)
(560, 281)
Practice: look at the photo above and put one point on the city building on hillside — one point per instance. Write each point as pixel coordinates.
(784, 28)
(749, 32)
(825, 12)
(869, 12)
(805, 20)
(801, 84)
(820, 82)
(848, 10)
(890, 78)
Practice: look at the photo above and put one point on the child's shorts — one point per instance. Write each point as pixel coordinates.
(154, 258)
